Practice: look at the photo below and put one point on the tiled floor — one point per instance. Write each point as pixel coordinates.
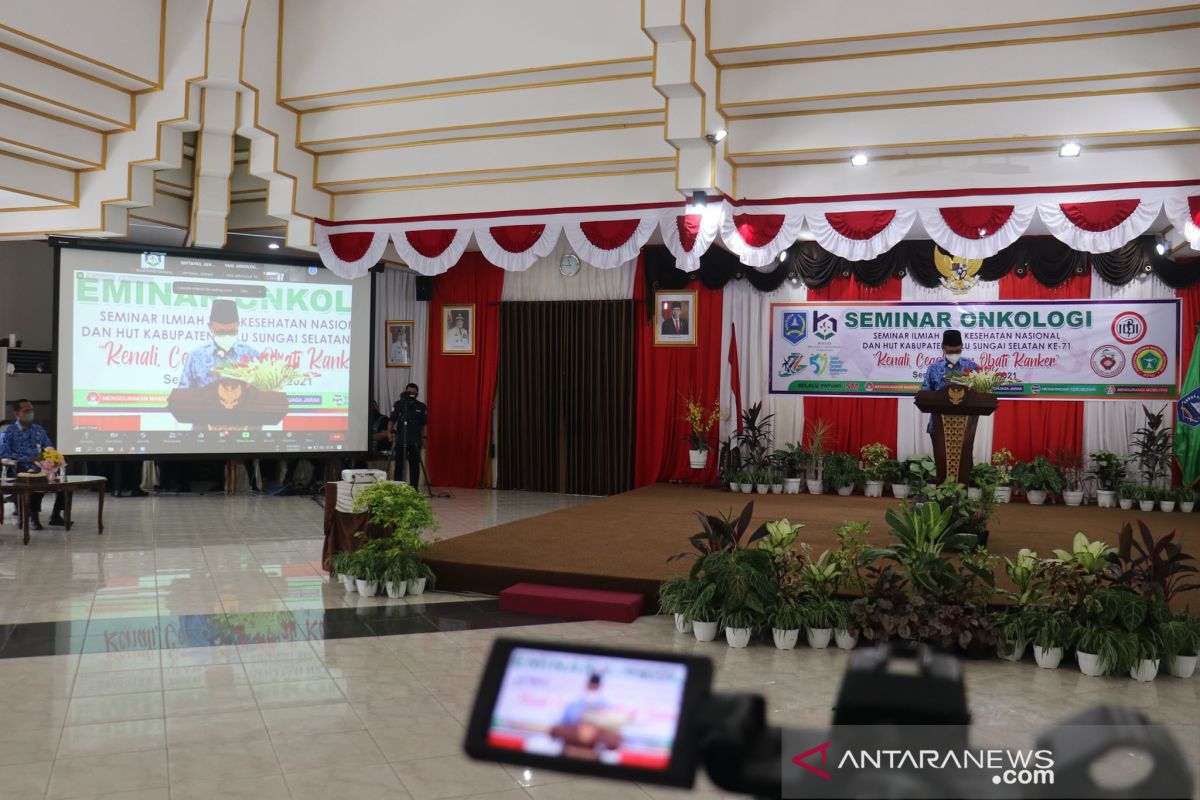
(376, 716)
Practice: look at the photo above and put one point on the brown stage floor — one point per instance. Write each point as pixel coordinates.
(622, 542)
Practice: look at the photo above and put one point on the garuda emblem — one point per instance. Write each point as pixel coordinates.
(959, 275)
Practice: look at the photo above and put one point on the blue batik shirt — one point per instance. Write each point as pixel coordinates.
(24, 445)
(938, 377)
(198, 371)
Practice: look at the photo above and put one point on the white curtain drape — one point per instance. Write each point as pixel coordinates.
(396, 298)
(911, 438)
(1109, 424)
(749, 310)
(543, 281)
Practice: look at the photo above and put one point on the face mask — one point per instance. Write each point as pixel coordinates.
(26, 418)
(225, 342)
(412, 395)
(953, 357)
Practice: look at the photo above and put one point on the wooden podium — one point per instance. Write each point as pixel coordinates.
(956, 411)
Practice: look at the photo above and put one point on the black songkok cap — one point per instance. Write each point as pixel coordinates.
(951, 338)
(223, 312)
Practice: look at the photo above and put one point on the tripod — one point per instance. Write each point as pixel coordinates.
(403, 444)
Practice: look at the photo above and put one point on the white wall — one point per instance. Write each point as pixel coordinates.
(27, 293)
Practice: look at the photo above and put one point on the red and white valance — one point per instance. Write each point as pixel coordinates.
(608, 243)
(516, 247)
(757, 237)
(350, 254)
(1099, 226)
(689, 235)
(860, 235)
(976, 231)
(431, 251)
(1184, 214)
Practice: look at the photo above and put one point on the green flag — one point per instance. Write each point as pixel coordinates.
(1187, 428)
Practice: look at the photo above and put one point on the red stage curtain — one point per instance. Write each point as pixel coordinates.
(665, 377)
(1188, 320)
(854, 422)
(461, 387)
(1040, 427)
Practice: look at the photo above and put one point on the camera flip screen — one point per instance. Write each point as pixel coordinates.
(595, 712)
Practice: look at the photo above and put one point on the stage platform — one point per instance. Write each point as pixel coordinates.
(621, 543)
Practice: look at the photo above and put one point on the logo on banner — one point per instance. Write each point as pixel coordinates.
(1129, 327)
(791, 365)
(959, 275)
(824, 326)
(1108, 361)
(1150, 361)
(154, 260)
(1189, 408)
(795, 327)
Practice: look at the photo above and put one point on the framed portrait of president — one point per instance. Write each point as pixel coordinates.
(458, 330)
(399, 338)
(675, 319)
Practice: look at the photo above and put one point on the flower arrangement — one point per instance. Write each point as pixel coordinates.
(981, 379)
(266, 373)
(51, 460)
(700, 421)
(1003, 460)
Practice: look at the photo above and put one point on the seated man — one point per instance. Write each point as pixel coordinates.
(23, 442)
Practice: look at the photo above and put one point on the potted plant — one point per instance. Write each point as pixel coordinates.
(845, 637)
(874, 457)
(786, 622)
(1147, 496)
(1070, 466)
(423, 576)
(1153, 447)
(1148, 655)
(793, 458)
(920, 472)
(762, 481)
(739, 626)
(702, 611)
(1109, 470)
(818, 432)
(1039, 478)
(1187, 499)
(1050, 630)
(368, 566)
(1127, 494)
(820, 618)
(1003, 461)
(735, 481)
(747, 482)
(396, 506)
(1166, 499)
(892, 471)
(699, 421)
(398, 569)
(1101, 649)
(1181, 644)
(674, 596)
(776, 481)
(340, 565)
(842, 473)
(984, 477)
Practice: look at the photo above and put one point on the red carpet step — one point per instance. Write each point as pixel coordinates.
(561, 601)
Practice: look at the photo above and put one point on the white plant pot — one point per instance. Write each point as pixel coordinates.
(735, 487)
(1146, 505)
(698, 458)
(785, 639)
(873, 489)
(1073, 498)
(682, 624)
(704, 631)
(974, 493)
(1036, 497)
(1145, 671)
(350, 582)
(367, 588)
(737, 637)
(395, 589)
(1183, 666)
(1106, 499)
(1003, 494)
(776, 488)
(900, 490)
(1089, 664)
(845, 491)
(815, 487)
(747, 488)
(1125, 504)
(819, 637)
(845, 639)
(1166, 505)
(1187, 506)
(1011, 651)
(762, 488)
(791, 486)
(1048, 658)
(416, 586)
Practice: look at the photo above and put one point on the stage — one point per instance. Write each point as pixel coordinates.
(622, 542)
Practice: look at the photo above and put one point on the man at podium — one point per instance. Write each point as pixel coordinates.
(938, 374)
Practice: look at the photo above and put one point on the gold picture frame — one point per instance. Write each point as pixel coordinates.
(671, 329)
(398, 342)
(458, 339)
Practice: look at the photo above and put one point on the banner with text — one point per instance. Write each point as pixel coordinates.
(1050, 349)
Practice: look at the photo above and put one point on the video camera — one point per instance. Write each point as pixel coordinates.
(899, 729)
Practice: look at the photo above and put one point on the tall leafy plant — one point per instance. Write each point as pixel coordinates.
(1155, 568)
(1152, 446)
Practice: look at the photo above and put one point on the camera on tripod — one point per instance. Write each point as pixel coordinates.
(900, 729)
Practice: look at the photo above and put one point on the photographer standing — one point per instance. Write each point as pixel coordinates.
(406, 430)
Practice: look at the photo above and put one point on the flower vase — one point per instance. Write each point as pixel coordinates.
(698, 458)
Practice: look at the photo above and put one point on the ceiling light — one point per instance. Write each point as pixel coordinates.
(783, 256)
(273, 245)
(1161, 247)
(859, 160)
(716, 136)
(1070, 149)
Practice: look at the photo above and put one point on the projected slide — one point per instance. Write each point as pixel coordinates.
(169, 355)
